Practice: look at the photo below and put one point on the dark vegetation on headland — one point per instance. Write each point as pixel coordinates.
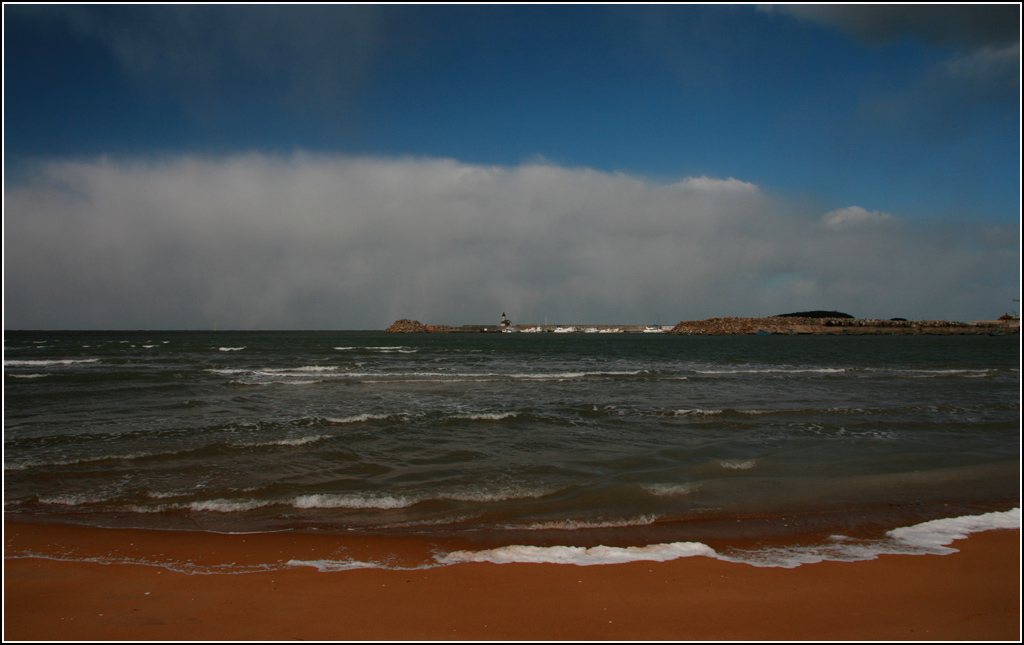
(815, 314)
(797, 325)
(832, 323)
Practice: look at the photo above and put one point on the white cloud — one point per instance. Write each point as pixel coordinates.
(306, 241)
(853, 216)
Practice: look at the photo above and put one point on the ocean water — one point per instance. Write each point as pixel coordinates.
(528, 446)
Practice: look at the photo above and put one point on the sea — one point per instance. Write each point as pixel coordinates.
(578, 448)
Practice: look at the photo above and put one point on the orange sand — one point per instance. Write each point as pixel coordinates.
(971, 595)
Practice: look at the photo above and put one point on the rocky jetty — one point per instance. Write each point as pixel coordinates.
(826, 326)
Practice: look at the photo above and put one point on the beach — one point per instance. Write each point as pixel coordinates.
(973, 594)
(359, 485)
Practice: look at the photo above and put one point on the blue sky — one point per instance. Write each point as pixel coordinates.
(908, 115)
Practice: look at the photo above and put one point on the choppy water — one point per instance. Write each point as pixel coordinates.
(525, 434)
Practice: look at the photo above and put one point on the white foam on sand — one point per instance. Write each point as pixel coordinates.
(927, 538)
(936, 536)
(933, 537)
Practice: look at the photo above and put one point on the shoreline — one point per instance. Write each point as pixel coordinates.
(972, 594)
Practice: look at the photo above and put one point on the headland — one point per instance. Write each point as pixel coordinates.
(784, 325)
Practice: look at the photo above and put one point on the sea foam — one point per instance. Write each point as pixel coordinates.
(927, 538)
(936, 535)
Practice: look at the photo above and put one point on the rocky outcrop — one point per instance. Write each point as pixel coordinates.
(406, 326)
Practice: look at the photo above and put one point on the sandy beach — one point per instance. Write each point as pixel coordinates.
(970, 595)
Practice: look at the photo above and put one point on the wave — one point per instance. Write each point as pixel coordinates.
(487, 416)
(357, 501)
(863, 371)
(80, 499)
(927, 538)
(350, 501)
(487, 496)
(672, 490)
(362, 418)
(568, 375)
(844, 411)
(936, 535)
(353, 501)
(329, 566)
(45, 362)
(277, 371)
(225, 505)
(978, 373)
(304, 369)
(30, 463)
(293, 441)
(697, 412)
(215, 439)
(932, 537)
(578, 555)
(738, 464)
(186, 567)
(490, 376)
(776, 370)
(230, 349)
(577, 525)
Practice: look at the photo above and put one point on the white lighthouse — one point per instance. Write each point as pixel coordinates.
(506, 324)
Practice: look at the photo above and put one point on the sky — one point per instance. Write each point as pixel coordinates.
(344, 166)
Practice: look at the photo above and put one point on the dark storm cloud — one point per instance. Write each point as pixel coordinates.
(257, 241)
(969, 25)
(208, 57)
(979, 79)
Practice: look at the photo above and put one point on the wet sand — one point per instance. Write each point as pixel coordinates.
(970, 595)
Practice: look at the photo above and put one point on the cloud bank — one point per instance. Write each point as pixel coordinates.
(336, 242)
